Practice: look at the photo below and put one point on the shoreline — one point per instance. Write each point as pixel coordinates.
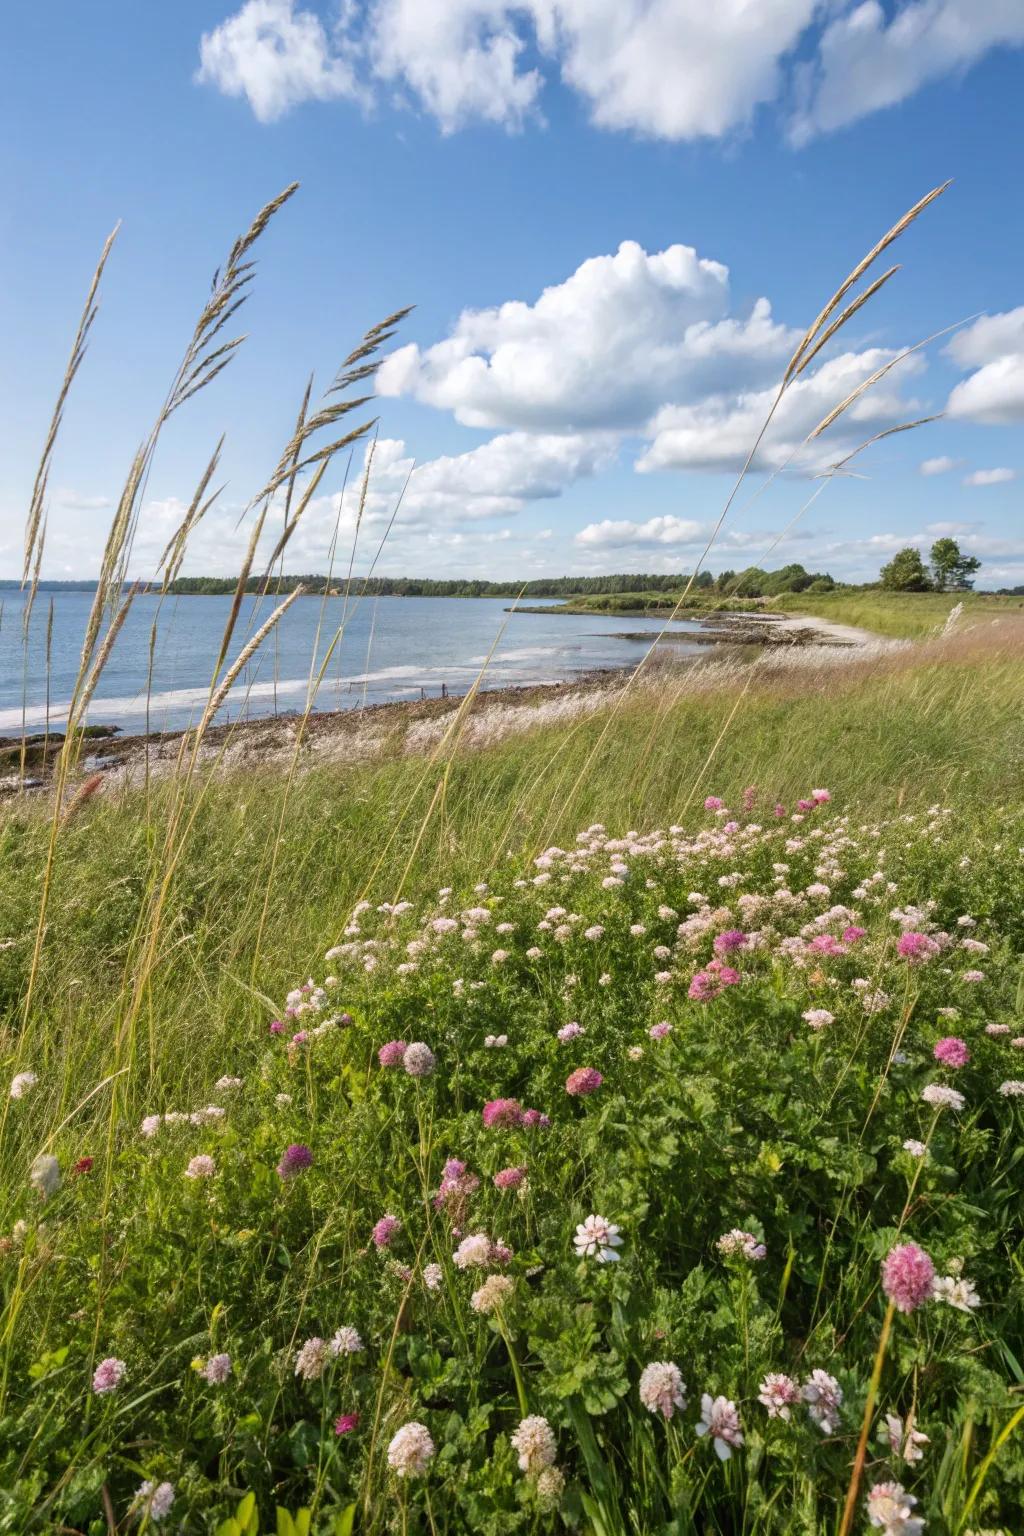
(407, 727)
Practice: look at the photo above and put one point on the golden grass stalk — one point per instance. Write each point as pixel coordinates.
(244, 655)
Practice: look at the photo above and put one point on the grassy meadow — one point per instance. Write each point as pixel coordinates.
(615, 1128)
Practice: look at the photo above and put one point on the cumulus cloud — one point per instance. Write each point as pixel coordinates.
(994, 347)
(717, 433)
(869, 58)
(677, 532)
(671, 69)
(990, 476)
(603, 349)
(939, 466)
(276, 56)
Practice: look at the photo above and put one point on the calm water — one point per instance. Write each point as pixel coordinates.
(392, 648)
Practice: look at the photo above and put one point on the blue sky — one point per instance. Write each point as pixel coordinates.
(559, 187)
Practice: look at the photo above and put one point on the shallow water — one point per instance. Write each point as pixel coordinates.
(390, 649)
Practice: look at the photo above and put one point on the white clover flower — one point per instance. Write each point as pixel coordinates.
(598, 1238)
(534, 1440)
(411, 1450)
(662, 1388)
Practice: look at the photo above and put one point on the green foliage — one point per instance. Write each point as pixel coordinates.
(905, 572)
(950, 568)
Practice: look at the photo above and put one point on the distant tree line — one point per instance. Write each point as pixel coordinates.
(749, 583)
(950, 570)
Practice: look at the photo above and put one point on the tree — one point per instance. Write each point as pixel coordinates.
(950, 569)
(905, 572)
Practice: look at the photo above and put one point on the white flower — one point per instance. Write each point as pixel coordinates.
(156, 1499)
(44, 1175)
(493, 1294)
(419, 1059)
(549, 1487)
(904, 1443)
(778, 1393)
(719, 1419)
(956, 1292)
(739, 1244)
(433, 1274)
(282, 1099)
(217, 1370)
(22, 1083)
(346, 1342)
(201, 1167)
(823, 1395)
(915, 1148)
(534, 1440)
(227, 1084)
(597, 1238)
(473, 1252)
(150, 1125)
(311, 1359)
(662, 1388)
(889, 1510)
(411, 1450)
(941, 1097)
(496, 1042)
(1013, 1088)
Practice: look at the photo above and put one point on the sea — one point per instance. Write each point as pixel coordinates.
(369, 650)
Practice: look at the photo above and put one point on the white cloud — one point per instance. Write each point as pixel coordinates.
(994, 346)
(868, 59)
(275, 56)
(603, 349)
(940, 466)
(718, 432)
(65, 496)
(672, 69)
(677, 532)
(990, 476)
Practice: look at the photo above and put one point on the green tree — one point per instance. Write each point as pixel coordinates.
(951, 570)
(906, 572)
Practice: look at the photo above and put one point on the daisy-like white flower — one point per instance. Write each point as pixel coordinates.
(890, 1509)
(597, 1238)
(956, 1292)
(905, 1441)
(719, 1419)
(778, 1393)
(823, 1395)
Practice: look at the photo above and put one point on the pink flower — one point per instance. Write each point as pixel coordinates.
(916, 948)
(509, 1178)
(820, 796)
(733, 938)
(778, 1393)
(108, 1375)
(533, 1117)
(583, 1081)
(570, 1031)
(711, 981)
(951, 1051)
(712, 803)
(659, 1031)
(345, 1423)
(456, 1183)
(780, 811)
(907, 1276)
(293, 1160)
(749, 797)
(852, 934)
(276, 1027)
(503, 1112)
(392, 1054)
(385, 1230)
